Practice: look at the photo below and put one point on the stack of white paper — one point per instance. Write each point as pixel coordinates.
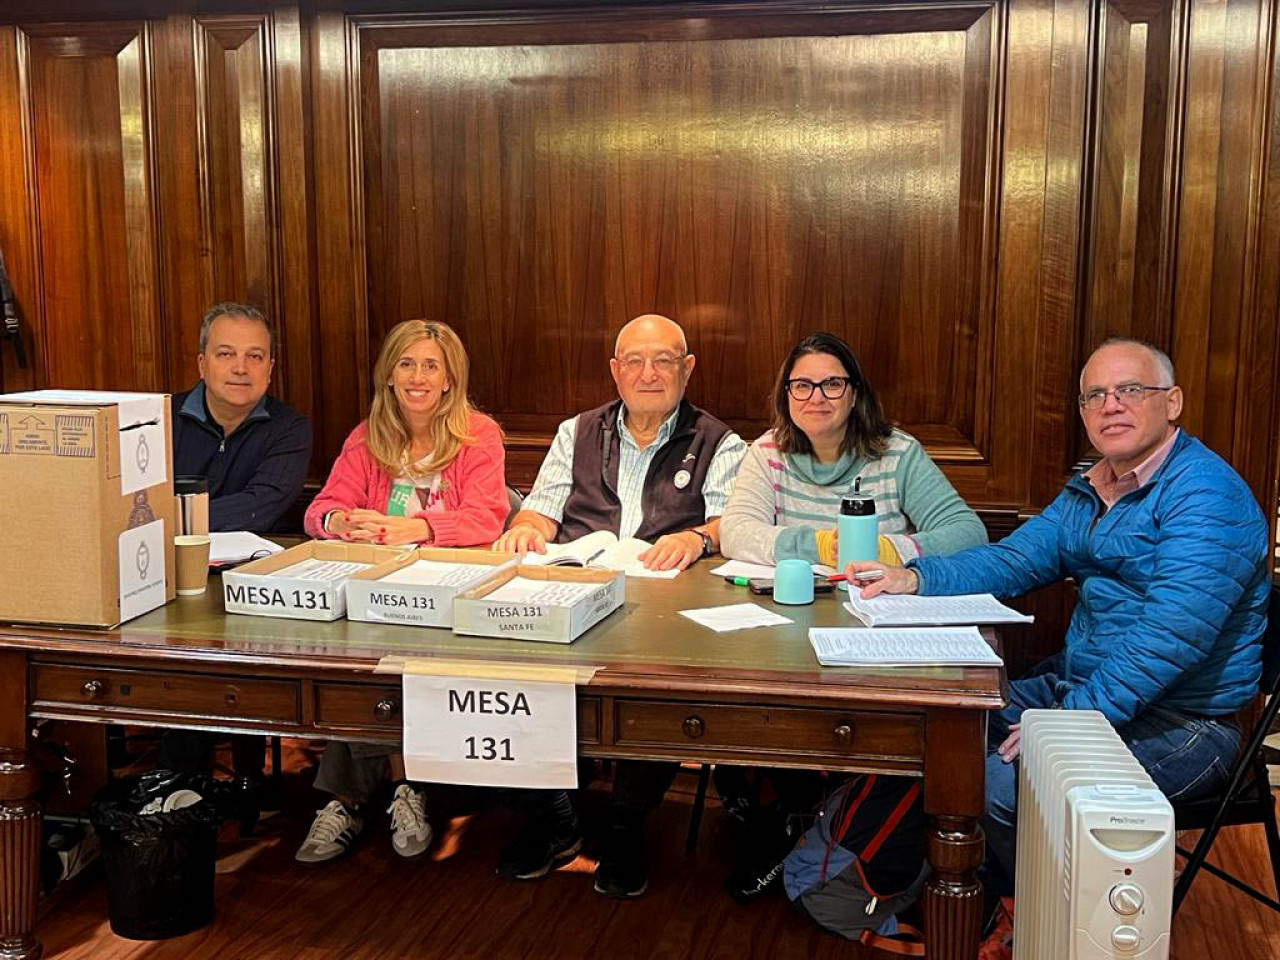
(436, 573)
(735, 616)
(552, 593)
(906, 611)
(313, 569)
(921, 647)
(236, 546)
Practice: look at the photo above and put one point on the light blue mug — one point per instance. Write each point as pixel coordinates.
(793, 582)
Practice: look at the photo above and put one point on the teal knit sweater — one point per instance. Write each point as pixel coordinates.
(780, 500)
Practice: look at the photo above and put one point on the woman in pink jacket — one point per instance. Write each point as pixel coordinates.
(425, 468)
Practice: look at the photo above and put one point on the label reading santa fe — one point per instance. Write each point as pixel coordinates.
(490, 732)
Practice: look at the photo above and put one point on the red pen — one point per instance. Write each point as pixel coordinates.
(866, 576)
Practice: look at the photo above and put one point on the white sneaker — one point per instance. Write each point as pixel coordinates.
(331, 834)
(410, 832)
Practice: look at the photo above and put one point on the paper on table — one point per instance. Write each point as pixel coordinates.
(735, 616)
(556, 593)
(313, 569)
(740, 568)
(760, 571)
(436, 573)
(907, 611)
(887, 647)
(237, 545)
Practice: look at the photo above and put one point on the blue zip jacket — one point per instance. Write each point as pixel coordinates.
(1173, 586)
(254, 474)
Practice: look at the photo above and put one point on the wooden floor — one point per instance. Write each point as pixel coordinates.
(374, 905)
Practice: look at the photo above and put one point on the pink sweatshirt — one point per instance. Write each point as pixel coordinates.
(474, 488)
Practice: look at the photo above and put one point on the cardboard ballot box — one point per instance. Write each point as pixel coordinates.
(86, 506)
(555, 604)
(281, 586)
(418, 587)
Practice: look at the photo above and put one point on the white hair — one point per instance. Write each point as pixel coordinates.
(1161, 358)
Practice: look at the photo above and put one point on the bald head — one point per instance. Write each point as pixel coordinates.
(650, 328)
(651, 365)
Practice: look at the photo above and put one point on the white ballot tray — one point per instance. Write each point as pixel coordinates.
(306, 582)
(553, 604)
(418, 587)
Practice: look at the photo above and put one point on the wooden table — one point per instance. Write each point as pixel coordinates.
(666, 689)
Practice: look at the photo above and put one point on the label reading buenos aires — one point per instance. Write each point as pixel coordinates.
(397, 607)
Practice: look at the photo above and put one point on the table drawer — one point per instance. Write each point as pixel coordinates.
(379, 708)
(753, 729)
(202, 695)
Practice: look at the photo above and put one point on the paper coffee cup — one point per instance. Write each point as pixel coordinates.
(193, 564)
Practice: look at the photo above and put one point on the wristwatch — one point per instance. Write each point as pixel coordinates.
(708, 545)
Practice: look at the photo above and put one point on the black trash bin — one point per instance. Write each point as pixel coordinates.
(160, 866)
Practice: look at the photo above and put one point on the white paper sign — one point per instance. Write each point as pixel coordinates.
(490, 732)
(142, 458)
(142, 581)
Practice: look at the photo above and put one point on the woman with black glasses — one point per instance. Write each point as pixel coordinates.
(829, 431)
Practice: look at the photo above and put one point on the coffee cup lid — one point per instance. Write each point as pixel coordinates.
(190, 484)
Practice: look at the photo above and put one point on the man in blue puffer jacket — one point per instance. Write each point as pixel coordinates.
(1169, 549)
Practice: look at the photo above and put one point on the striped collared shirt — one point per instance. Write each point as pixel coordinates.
(555, 478)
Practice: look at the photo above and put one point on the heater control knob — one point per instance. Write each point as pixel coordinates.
(1126, 899)
(1125, 939)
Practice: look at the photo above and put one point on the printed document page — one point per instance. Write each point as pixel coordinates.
(903, 611)
(888, 647)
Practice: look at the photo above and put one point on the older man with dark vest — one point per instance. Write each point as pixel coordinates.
(649, 465)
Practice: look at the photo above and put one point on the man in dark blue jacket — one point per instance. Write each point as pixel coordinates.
(253, 449)
(1169, 549)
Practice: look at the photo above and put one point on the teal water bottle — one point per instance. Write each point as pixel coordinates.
(859, 530)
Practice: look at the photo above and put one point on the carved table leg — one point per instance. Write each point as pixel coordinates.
(954, 773)
(19, 856)
(953, 896)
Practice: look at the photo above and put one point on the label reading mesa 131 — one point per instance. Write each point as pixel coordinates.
(490, 732)
(277, 596)
(395, 606)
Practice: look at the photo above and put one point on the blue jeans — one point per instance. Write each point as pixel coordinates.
(1188, 756)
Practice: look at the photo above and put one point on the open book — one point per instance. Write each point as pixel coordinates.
(600, 549)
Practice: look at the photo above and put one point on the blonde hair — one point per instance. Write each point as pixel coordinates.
(388, 438)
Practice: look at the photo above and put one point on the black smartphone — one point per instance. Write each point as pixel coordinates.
(760, 586)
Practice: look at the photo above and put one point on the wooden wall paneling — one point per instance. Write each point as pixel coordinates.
(89, 99)
(18, 216)
(818, 171)
(340, 356)
(235, 121)
(295, 216)
(1222, 154)
(1255, 447)
(1258, 431)
(185, 253)
(1044, 87)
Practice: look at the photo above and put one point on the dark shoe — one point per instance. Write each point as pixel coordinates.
(623, 871)
(540, 849)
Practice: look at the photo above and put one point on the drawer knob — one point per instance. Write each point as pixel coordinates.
(93, 689)
(693, 727)
(384, 710)
(844, 734)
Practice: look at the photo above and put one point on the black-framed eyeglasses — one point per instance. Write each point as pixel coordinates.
(832, 388)
(1127, 395)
